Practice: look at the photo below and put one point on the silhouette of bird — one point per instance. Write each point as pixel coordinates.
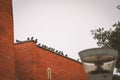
(118, 6)
(62, 53)
(31, 38)
(66, 55)
(53, 49)
(36, 40)
(18, 40)
(39, 44)
(28, 38)
(56, 51)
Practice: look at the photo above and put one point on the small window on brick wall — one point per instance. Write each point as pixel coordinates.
(49, 73)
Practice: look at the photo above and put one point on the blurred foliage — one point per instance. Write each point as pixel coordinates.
(109, 38)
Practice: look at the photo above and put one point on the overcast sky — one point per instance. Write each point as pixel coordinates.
(63, 24)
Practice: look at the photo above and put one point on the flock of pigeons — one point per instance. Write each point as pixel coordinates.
(46, 47)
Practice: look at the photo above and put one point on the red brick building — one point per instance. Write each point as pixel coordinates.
(35, 62)
(28, 61)
(7, 61)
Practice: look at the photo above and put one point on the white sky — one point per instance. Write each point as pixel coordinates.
(63, 24)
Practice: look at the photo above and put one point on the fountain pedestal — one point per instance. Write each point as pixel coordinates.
(99, 62)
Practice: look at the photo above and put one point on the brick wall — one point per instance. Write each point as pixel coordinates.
(7, 68)
(30, 61)
(41, 63)
(25, 60)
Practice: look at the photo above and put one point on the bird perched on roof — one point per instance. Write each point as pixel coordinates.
(36, 40)
(39, 44)
(66, 55)
(31, 38)
(18, 40)
(118, 6)
(28, 38)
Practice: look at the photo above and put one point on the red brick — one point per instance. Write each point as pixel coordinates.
(37, 60)
(7, 61)
(31, 62)
(25, 61)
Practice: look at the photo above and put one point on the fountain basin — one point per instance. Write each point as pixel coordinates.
(99, 62)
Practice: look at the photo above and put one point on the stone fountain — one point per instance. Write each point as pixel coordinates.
(99, 62)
